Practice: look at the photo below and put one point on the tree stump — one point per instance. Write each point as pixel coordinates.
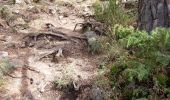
(153, 13)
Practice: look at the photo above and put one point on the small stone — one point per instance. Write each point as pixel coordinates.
(60, 53)
(18, 1)
(41, 87)
(86, 9)
(64, 21)
(30, 7)
(3, 54)
(61, 17)
(39, 95)
(51, 11)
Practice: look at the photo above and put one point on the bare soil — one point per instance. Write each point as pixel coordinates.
(46, 67)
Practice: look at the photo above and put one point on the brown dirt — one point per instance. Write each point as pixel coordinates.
(34, 79)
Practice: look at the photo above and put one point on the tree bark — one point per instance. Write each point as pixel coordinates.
(153, 13)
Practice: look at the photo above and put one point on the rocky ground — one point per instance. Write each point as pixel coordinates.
(47, 59)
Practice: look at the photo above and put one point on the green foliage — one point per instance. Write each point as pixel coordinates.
(6, 14)
(112, 13)
(5, 67)
(139, 61)
(145, 68)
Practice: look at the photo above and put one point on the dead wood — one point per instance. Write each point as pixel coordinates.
(153, 13)
(30, 39)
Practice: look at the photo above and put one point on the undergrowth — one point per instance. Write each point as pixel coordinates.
(5, 67)
(142, 71)
(111, 12)
(138, 62)
(7, 15)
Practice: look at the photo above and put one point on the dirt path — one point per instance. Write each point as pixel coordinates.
(36, 70)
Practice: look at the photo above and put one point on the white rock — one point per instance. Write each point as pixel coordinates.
(41, 87)
(18, 1)
(3, 54)
(60, 17)
(30, 7)
(64, 21)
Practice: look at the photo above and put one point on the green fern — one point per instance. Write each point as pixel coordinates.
(145, 65)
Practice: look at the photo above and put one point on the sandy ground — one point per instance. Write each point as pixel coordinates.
(34, 78)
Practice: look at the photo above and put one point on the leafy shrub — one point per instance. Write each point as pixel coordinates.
(5, 67)
(7, 15)
(4, 12)
(144, 70)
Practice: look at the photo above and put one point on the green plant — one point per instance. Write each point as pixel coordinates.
(145, 68)
(4, 12)
(112, 13)
(7, 15)
(5, 67)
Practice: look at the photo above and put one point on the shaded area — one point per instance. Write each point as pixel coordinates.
(25, 92)
(153, 13)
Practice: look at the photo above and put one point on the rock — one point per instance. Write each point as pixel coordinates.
(60, 53)
(76, 85)
(41, 87)
(52, 10)
(64, 21)
(30, 7)
(86, 9)
(19, 1)
(61, 17)
(3, 54)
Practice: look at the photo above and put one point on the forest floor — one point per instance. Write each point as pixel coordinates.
(50, 60)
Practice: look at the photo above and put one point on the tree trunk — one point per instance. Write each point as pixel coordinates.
(153, 13)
